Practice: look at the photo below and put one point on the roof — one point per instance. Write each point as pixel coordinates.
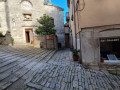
(61, 9)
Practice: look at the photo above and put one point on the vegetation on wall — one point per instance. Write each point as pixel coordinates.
(12, 41)
(46, 26)
(1, 35)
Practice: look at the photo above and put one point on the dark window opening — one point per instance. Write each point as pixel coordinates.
(27, 16)
(110, 46)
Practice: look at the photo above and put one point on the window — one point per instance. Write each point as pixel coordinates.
(27, 17)
(110, 48)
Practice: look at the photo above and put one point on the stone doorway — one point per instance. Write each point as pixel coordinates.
(29, 35)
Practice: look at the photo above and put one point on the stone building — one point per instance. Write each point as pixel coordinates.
(95, 26)
(20, 18)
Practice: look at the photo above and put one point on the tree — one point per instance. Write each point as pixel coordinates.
(46, 27)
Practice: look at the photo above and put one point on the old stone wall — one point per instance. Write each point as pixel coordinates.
(36, 8)
(5, 40)
(40, 41)
(3, 23)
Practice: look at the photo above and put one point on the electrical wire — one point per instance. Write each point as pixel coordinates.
(82, 7)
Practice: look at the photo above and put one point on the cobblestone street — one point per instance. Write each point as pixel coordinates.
(41, 69)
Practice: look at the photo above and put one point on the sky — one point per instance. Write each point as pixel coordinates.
(62, 4)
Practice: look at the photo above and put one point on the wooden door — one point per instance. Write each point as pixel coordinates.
(27, 34)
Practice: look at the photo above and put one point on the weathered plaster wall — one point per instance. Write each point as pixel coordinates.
(89, 47)
(99, 13)
(71, 23)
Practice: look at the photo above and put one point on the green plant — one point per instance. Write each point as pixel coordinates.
(12, 41)
(46, 26)
(75, 52)
(0, 43)
(1, 35)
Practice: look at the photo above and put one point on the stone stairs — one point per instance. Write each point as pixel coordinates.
(19, 64)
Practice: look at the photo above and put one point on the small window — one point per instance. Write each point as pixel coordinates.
(27, 17)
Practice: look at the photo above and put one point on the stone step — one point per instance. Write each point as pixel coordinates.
(24, 71)
(19, 65)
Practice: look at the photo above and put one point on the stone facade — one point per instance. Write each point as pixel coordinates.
(6, 40)
(17, 16)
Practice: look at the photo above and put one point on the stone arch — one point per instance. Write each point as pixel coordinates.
(27, 1)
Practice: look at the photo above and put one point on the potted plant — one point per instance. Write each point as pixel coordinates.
(32, 42)
(75, 54)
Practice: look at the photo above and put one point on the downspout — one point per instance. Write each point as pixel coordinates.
(75, 25)
(81, 29)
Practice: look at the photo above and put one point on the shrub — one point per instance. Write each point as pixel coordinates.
(1, 35)
(75, 52)
(12, 41)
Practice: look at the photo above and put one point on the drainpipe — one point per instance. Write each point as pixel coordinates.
(75, 25)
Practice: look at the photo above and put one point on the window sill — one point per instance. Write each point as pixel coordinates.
(117, 62)
(27, 20)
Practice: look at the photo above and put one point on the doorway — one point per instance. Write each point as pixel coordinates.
(67, 41)
(28, 35)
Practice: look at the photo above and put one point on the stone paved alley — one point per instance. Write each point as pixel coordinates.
(35, 69)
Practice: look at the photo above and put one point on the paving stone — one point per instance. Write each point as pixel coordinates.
(34, 85)
(41, 70)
